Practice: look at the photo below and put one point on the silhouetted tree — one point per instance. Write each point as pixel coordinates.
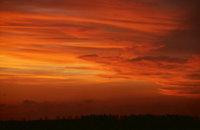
(107, 122)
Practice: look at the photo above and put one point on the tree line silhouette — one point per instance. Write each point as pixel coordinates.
(107, 122)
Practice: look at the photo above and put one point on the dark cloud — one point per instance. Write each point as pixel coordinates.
(89, 56)
(160, 59)
(185, 41)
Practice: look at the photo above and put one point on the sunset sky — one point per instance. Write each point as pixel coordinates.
(74, 57)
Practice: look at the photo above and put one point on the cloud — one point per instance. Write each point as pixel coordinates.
(160, 59)
(178, 73)
(191, 90)
(56, 43)
(186, 41)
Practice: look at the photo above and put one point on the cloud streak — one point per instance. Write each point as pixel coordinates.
(88, 42)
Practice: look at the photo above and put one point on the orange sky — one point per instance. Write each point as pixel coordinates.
(113, 53)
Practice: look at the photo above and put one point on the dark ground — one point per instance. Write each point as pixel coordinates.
(108, 122)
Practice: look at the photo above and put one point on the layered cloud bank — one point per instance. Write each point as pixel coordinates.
(84, 42)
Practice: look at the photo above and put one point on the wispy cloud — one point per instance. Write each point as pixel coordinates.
(93, 41)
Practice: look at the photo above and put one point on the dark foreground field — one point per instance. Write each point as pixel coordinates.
(104, 122)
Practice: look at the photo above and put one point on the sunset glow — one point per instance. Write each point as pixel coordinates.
(120, 55)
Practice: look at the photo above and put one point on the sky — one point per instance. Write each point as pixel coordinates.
(76, 57)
